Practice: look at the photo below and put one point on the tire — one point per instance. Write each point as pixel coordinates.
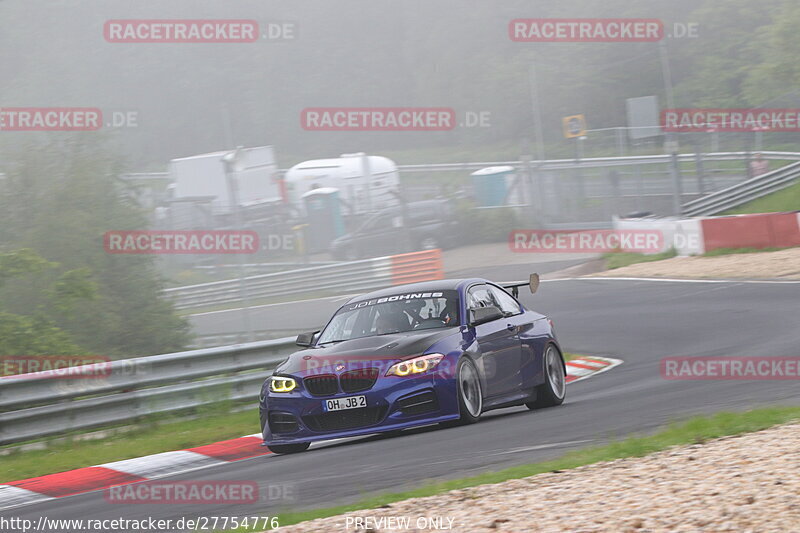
(470, 396)
(554, 389)
(282, 449)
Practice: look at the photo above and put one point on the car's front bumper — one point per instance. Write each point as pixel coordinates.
(393, 403)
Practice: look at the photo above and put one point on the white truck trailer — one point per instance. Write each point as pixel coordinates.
(253, 169)
(366, 183)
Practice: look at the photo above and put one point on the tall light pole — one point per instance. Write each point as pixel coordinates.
(537, 118)
(232, 163)
(537, 112)
(671, 141)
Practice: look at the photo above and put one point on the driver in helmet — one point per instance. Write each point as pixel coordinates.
(391, 319)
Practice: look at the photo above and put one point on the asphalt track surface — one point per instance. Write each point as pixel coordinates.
(639, 322)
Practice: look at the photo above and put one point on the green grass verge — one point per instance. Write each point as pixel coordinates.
(623, 259)
(731, 251)
(155, 436)
(786, 200)
(693, 431)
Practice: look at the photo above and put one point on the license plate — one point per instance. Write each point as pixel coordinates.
(340, 404)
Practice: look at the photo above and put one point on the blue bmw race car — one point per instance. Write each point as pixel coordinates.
(433, 352)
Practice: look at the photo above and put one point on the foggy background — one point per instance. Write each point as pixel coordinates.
(451, 53)
(61, 192)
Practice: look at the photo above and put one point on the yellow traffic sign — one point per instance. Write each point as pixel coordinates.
(574, 126)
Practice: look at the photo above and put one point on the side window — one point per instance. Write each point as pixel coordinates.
(507, 303)
(480, 296)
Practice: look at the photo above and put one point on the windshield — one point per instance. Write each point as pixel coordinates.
(393, 314)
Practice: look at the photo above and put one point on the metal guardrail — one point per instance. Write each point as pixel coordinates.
(211, 340)
(553, 164)
(41, 405)
(362, 275)
(741, 193)
(260, 268)
(550, 163)
(351, 276)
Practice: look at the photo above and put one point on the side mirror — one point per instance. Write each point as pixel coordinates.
(481, 315)
(306, 339)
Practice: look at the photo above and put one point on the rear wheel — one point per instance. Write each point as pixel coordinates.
(554, 389)
(289, 448)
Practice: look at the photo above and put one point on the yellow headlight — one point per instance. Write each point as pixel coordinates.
(282, 384)
(418, 365)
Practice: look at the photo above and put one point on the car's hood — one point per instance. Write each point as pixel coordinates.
(381, 351)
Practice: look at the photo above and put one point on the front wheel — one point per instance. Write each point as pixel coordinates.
(289, 448)
(554, 389)
(468, 388)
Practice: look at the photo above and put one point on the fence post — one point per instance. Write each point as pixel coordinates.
(698, 163)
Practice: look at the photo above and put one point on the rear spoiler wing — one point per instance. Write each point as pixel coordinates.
(532, 283)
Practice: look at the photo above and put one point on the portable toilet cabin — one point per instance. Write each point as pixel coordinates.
(491, 185)
(366, 183)
(324, 216)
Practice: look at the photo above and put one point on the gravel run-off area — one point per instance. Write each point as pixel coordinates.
(746, 483)
(782, 264)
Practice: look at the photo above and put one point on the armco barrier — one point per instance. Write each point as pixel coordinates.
(555, 164)
(38, 405)
(764, 230)
(353, 276)
(742, 193)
